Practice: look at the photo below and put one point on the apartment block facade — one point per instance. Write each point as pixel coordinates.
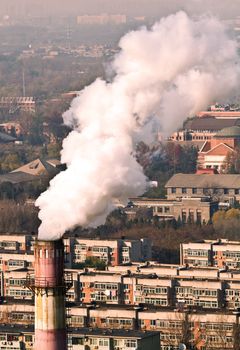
(112, 252)
(196, 305)
(220, 253)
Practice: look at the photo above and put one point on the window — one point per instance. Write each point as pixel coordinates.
(167, 209)
(194, 190)
(184, 217)
(236, 191)
(103, 342)
(93, 341)
(28, 338)
(225, 191)
(129, 343)
(191, 216)
(184, 190)
(173, 189)
(199, 217)
(77, 341)
(77, 320)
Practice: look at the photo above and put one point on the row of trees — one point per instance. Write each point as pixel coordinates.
(227, 223)
(16, 217)
(163, 160)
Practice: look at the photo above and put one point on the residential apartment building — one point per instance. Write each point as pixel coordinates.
(221, 253)
(14, 337)
(212, 329)
(196, 305)
(112, 252)
(101, 287)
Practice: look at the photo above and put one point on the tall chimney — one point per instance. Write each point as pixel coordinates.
(49, 288)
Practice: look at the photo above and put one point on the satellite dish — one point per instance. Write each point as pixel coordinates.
(182, 347)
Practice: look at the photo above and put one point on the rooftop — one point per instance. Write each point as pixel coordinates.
(204, 181)
(210, 124)
(120, 333)
(17, 177)
(39, 167)
(6, 138)
(229, 132)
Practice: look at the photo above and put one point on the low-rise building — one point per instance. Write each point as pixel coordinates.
(13, 104)
(220, 253)
(213, 154)
(186, 209)
(112, 251)
(14, 337)
(219, 187)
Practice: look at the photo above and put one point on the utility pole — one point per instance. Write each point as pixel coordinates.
(23, 83)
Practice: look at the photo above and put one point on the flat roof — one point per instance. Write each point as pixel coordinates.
(122, 333)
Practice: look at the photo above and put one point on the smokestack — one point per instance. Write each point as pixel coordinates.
(49, 287)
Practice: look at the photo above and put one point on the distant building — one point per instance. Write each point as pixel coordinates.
(102, 19)
(202, 129)
(220, 114)
(221, 187)
(214, 152)
(13, 104)
(185, 209)
(11, 127)
(40, 167)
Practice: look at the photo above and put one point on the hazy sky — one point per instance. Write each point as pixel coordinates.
(225, 8)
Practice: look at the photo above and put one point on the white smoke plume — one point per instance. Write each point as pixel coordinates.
(168, 73)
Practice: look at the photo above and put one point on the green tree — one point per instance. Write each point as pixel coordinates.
(232, 162)
(10, 162)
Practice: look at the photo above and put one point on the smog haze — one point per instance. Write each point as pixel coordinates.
(24, 8)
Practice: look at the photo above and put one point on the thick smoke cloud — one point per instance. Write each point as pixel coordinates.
(167, 73)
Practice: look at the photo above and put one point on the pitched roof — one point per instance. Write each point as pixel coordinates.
(17, 177)
(6, 138)
(221, 149)
(38, 167)
(210, 123)
(204, 180)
